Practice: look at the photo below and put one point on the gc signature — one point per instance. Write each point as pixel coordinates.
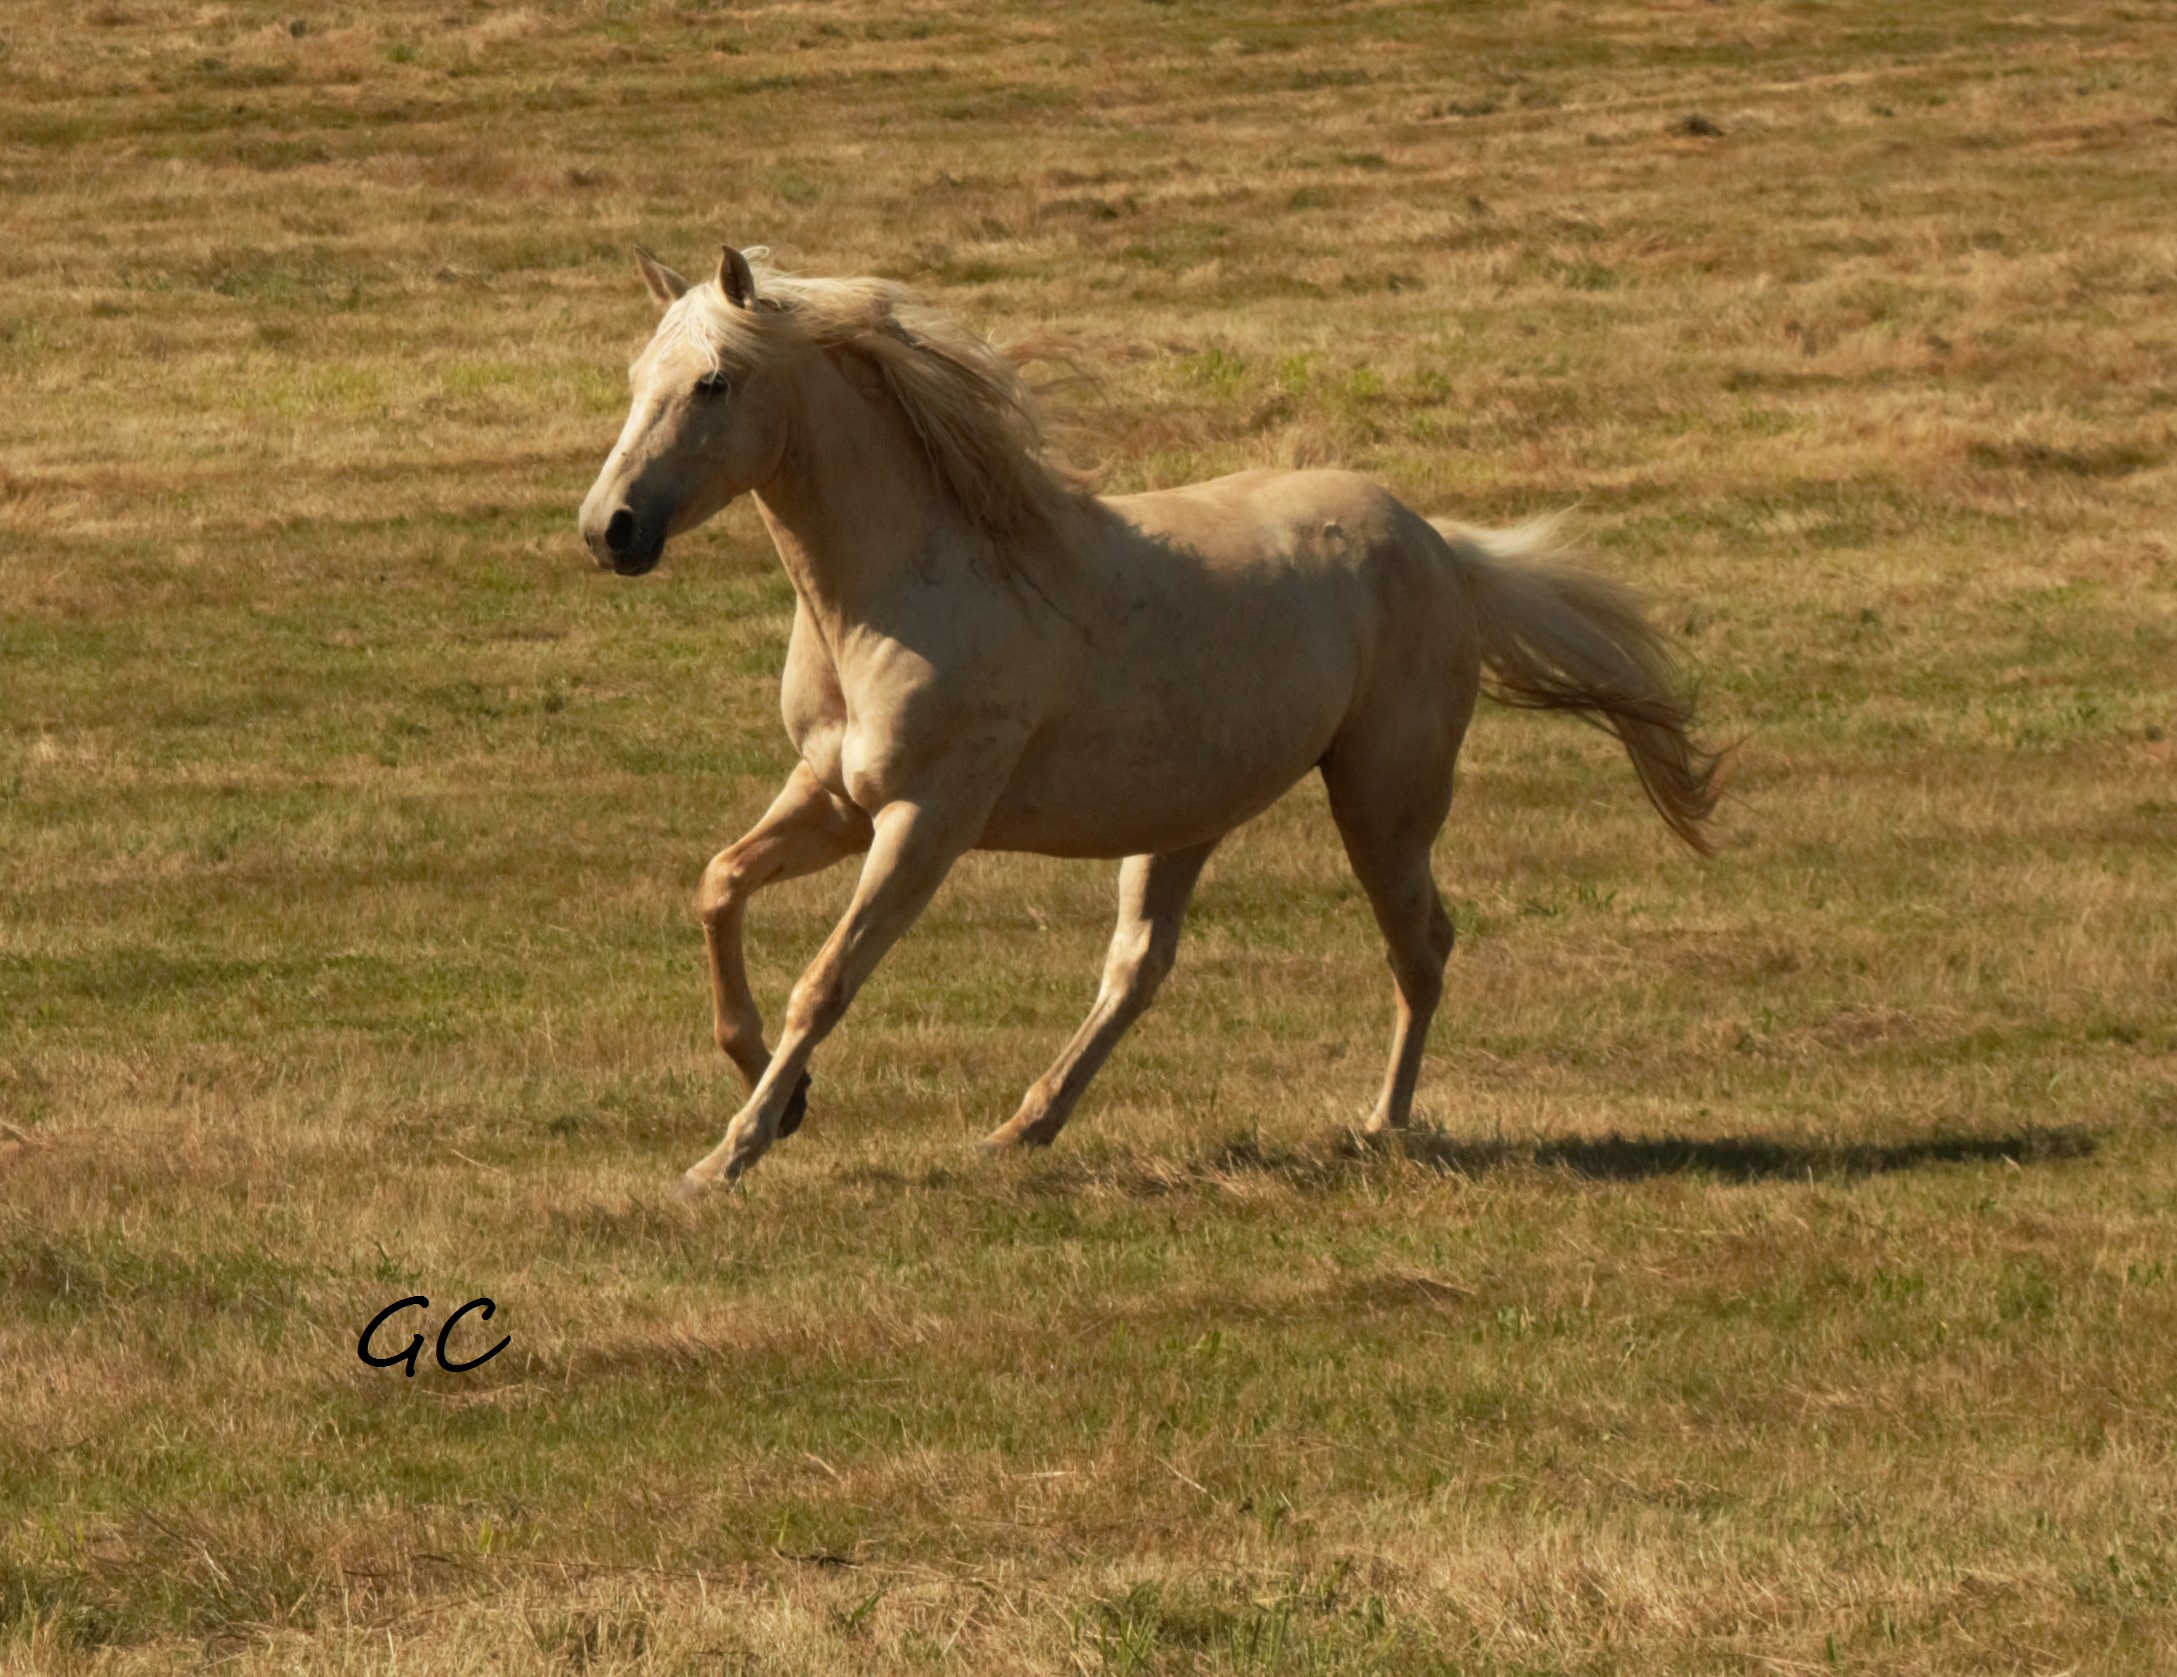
(415, 1345)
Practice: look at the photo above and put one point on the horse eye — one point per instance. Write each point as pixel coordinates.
(713, 384)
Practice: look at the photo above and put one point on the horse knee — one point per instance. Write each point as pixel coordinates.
(723, 885)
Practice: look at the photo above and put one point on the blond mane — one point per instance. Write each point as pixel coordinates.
(965, 400)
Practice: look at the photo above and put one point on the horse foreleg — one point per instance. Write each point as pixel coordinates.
(805, 829)
(1153, 896)
(912, 847)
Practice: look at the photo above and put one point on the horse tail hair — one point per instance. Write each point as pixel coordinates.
(1554, 637)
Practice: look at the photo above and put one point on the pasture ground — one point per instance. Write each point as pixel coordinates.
(1785, 1281)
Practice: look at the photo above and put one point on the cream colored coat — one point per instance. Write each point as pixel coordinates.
(1127, 677)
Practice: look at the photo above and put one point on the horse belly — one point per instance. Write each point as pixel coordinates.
(1167, 767)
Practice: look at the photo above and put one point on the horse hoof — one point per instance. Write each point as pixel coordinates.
(690, 1189)
(1013, 1136)
(797, 1108)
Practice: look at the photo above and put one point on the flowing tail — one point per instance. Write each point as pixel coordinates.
(1557, 638)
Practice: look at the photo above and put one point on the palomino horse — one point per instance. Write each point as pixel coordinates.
(986, 656)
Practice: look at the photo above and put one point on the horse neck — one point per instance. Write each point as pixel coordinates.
(851, 506)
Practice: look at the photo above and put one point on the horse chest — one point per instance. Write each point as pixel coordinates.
(867, 762)
(858, 730)
(813, 705)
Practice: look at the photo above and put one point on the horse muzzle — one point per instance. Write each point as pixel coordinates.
(623, 543)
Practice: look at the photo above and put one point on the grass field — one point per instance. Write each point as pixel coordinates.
(1786, 1276)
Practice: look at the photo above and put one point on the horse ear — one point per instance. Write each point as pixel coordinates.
(665, 285)
(734, 279)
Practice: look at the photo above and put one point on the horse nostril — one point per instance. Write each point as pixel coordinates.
(620, 533)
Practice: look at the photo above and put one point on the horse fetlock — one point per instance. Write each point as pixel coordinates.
(1041, 1116)
(746, 1142)
(1014, 1134)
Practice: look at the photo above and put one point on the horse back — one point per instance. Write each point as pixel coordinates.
(1231, 629)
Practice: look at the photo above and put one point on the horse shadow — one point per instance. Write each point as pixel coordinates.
(1612, 1157)
(1622, 1158)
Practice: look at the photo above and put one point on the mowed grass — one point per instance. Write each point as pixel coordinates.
(1784, 1278)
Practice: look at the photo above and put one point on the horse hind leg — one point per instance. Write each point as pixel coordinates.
(1388, 825)
(1417, 934)
(1153, 896)
(804, 830)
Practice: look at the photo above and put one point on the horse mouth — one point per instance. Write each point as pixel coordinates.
(636, 553)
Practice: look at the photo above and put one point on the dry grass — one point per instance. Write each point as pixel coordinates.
(1787, 1281)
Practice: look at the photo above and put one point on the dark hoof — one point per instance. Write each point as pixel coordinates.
(797, 1108)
